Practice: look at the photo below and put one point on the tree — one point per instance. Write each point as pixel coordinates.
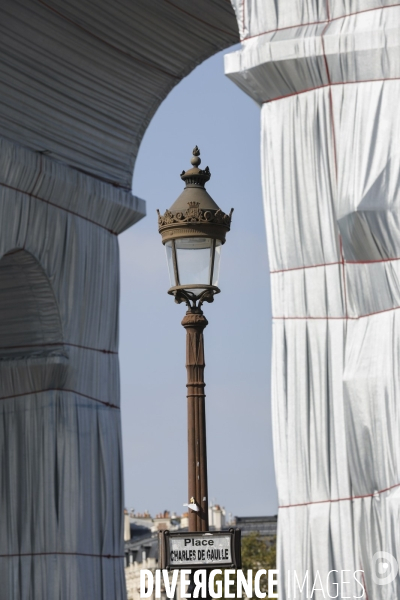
(255, 555)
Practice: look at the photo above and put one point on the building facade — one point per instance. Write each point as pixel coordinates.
(141, 551)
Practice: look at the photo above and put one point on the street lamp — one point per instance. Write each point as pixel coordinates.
(193, 231)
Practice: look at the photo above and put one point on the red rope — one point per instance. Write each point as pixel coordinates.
(328, 75)
(250, 37)
(371, 262)
(312, 318)
(344, 277)
(61, 554)
(59, 344)
(377, 312)
(60, 390)
(331, 115)
(305, 267)
(348, 262)
(359, 12)
(329, 20)
(348, 499)
(98, 177)
(78, 169)
(71, 212)
(364, 584)
(319, 87)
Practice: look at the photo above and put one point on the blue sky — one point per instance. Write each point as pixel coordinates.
(208, 110)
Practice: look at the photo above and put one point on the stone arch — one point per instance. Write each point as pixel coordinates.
(120, 59)
(30, 324)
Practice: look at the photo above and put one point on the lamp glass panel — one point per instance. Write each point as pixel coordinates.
(217, 262)
(170, 262)
(194, 260)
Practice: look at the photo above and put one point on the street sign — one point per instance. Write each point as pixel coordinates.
(216, 549)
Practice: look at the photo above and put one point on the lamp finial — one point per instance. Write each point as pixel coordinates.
(196, 176)
(196, 160)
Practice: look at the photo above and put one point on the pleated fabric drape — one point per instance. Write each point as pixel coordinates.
(79, 84)
(327, 77)
(61, 491)
(81, 80)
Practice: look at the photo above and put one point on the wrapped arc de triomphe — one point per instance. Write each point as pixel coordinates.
(327, 76)
(80, 81)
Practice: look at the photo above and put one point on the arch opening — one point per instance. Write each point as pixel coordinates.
(30, 324)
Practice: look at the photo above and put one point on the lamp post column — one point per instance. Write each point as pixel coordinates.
(195, 322)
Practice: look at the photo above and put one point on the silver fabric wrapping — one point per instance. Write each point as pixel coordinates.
(61, 492)
(81, 80)
(79, 84)
(326, 75)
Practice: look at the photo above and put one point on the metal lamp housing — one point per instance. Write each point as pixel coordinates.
(193, 231)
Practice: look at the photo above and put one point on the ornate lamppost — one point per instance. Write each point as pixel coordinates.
(193, 231)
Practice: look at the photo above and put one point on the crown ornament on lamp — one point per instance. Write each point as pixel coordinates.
(193, 231)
